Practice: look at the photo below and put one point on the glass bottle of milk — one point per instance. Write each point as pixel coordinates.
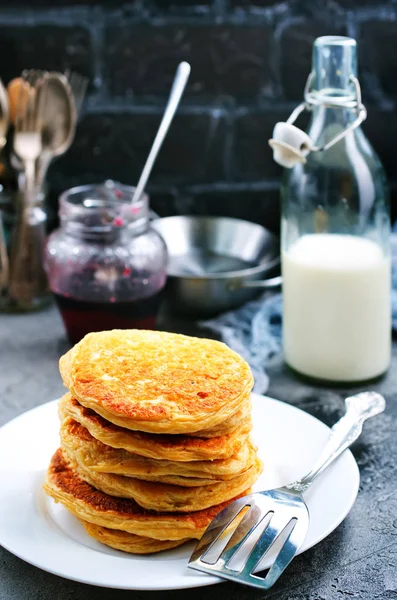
(335, 235)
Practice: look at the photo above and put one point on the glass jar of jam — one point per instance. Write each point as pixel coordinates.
(106, 266)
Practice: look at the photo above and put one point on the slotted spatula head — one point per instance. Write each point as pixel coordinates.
(261, 518)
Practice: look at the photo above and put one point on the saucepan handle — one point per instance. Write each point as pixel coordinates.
(265, 283)
(274, 282)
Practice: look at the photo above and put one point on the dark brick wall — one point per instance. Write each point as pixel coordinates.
(249, 62)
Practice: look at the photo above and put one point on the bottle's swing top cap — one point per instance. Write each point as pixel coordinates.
(332, 82)
(290, 144)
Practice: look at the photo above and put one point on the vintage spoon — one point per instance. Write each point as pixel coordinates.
(59, 125)
(4, 115)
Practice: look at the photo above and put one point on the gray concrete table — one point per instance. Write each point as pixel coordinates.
(358, 560)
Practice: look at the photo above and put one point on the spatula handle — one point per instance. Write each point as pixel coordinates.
(359, 408)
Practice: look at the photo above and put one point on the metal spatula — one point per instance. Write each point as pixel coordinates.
(276, 511)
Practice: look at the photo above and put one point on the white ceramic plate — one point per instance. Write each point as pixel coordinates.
(44, 534)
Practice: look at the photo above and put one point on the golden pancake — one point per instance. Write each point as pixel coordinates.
(159, 446)
(129, 542)
(155, 381)
(96, 456)
(230, 424)
(165, 497)
(89, 504)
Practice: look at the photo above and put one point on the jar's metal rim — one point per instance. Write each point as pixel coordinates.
(135, 219)
(79, 189)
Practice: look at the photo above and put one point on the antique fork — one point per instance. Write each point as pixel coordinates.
(28, 123)
(276, 511)
(27, 283)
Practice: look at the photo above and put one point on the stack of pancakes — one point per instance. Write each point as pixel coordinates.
(155, 437)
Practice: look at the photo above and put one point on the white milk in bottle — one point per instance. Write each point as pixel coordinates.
(337, 317)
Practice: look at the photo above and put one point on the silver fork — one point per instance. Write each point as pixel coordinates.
(277, 511)
(28, 121)
(27, 282)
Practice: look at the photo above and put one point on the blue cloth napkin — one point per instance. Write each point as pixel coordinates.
(255, 329)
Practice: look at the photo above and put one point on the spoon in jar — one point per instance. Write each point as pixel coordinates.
(178, 86)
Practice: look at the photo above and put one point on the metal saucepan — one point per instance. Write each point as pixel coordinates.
(217, 263)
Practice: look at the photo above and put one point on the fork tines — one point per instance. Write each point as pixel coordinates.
(258, 527)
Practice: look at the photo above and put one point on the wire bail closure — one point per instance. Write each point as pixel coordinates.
(291, 145)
